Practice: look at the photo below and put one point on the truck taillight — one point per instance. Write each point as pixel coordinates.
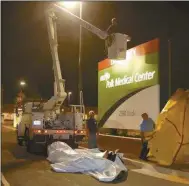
(40, 131)
(37, 131)
(79, 132)
(60, 131)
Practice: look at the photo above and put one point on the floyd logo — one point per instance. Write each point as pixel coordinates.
(105, 77)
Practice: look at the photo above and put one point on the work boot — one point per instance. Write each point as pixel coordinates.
(109, 156)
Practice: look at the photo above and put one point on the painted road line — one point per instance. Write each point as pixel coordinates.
(4, 181)
(168, 171)
(137, 139)
(172, 178)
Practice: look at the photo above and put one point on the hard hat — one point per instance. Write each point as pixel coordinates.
(114, 19)
(91, 113)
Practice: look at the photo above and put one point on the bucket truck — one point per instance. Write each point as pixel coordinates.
(43, 123)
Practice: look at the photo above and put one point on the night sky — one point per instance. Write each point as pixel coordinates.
(26, 52)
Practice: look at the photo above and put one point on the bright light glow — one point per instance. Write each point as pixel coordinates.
(69, 4)
(36, 122)
(37, 131)
(69, 93)
(22, 83)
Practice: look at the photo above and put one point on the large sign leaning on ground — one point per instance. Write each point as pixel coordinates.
(128, 88)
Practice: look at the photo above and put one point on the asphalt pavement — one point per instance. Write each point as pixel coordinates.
(20, 168)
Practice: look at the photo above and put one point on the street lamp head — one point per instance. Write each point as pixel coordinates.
(69, 4)
(22, 83)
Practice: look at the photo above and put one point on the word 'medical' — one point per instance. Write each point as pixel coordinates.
(129, 79)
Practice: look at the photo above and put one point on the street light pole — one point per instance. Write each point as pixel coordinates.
(80, 92)
(69, 96)
(70, 4)
(2, 96)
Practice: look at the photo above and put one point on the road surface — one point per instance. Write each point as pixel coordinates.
(20, 168)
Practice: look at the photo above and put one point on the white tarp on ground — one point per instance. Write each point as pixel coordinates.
(87, 161)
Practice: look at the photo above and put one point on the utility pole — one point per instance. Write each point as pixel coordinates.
(80, 92)
(2, 92)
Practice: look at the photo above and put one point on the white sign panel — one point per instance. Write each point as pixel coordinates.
(128, 114)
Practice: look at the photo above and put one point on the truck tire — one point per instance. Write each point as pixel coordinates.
(31, 146)
(20, 142)
(46, 150)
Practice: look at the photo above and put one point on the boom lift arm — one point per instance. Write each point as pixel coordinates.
(101, 34)
(118, 46)
(59, 85)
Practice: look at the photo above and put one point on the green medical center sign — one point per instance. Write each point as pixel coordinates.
(128, 88)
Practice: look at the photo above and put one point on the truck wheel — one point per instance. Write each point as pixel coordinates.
(20, 142)
(30, 146)
(46, 150)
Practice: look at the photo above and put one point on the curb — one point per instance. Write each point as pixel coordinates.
(137, 139)
(156, 168)
(4, 181)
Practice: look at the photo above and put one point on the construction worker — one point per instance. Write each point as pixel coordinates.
(92, 131)
(113, 28)
(146, 127)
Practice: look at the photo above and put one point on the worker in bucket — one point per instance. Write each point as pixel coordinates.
(113, 27)
(92, 131)
(146, 127)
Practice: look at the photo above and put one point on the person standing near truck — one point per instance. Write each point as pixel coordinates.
(146, 127)
(92, 130)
